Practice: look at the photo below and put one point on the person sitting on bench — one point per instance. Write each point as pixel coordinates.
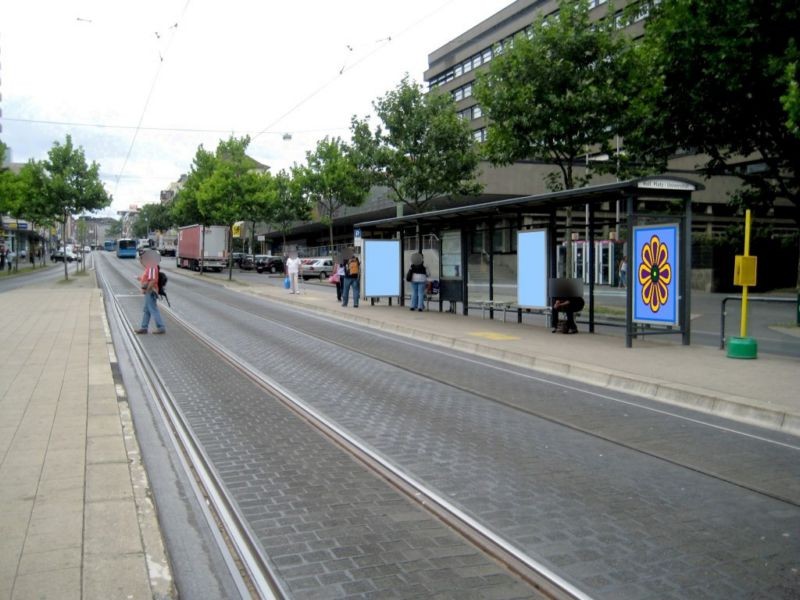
(569, 306)
(567, 296)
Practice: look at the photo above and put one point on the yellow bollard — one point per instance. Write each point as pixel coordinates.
(744, 274)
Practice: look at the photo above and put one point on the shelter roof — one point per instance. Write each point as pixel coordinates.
(657, 187)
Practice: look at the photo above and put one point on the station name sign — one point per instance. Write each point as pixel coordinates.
(666, 184)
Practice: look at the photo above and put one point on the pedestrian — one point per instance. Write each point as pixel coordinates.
(569, 306)
(352, 272)
(293, 267)
(623, 272)
(149, 284)
(418, 277)
(2, 257)
(9, 260)
(340, 268)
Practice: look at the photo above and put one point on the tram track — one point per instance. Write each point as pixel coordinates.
(257, 574)
(251, 571)
(450, 382)
(519, 562)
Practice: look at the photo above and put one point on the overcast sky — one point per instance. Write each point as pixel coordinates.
(240, 66)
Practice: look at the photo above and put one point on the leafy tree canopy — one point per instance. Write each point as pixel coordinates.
(287, 203)
(65, 185)
(722, 68)
(421, 150)
(559, 92)
(153, 217)
(185, 207)
(331, 179)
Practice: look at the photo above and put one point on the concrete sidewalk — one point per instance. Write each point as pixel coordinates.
(764, 392)
(76, 521)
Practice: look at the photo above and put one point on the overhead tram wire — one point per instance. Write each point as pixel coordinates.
(383, 43)
(150, 94)
(164, 129)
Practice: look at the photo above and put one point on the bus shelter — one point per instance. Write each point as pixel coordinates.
(515, 251)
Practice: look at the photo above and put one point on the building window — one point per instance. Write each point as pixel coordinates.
(468, 66)
(477, 112)
(487, 55)
(476, 61)
(459, 71)
(458, 94)
(468, 90)
(479, 135)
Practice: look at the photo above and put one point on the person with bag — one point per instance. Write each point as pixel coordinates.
(293, 266)
(352, 272)
(149, 284)
(417, 276)
(338, 277)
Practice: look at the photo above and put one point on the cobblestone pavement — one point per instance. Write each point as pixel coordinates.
(618, 522)
(331, 528)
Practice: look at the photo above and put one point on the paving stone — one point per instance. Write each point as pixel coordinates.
(540, 481)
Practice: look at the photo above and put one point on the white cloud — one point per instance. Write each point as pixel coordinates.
(237, 66)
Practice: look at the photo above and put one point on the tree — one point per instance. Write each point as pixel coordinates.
(331, 179)
(791, 99)
(152, 217)
(422, 149)
(232, 188)
(727, 106)
(64, 185)
(559, 93)
(287, 203)
(186, 208)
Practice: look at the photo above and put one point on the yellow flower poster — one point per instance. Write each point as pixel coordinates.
(655, 274)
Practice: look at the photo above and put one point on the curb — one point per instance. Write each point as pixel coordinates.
(159, 571)
(736, 408)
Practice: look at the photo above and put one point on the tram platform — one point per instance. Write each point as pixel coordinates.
(76, 520)
(761, 392)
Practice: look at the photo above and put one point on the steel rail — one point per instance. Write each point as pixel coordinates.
(530, 570)
(207, 485)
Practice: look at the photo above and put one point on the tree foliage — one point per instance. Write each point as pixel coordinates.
(65, 185)
(559, 92)
(331, 179)
(722, 69)
(234, 190)
(153, 217)
(287, 203)
(421, 150)
(185, 207)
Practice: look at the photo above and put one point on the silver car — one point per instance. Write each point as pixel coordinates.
(318, 268)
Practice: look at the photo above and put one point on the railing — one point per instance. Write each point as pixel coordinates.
(765, 299)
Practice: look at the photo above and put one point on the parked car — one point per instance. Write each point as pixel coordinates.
(248, 262)
(237, 258)
(60, 254)
(318, 268)
(270, 264)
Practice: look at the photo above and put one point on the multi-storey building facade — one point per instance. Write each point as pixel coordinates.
(452, 68)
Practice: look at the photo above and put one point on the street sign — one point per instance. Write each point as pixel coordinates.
(357, 233)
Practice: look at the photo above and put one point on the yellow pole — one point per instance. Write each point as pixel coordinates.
(743, 329)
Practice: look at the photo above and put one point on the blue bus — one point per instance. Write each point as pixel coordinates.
(126, 249)
(110, 245)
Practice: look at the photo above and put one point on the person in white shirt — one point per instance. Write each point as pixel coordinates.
(293, 268)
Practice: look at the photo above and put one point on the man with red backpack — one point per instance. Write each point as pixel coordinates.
(149, 284)
(352, 272)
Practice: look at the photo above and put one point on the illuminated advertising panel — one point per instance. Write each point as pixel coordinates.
(655, 274)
